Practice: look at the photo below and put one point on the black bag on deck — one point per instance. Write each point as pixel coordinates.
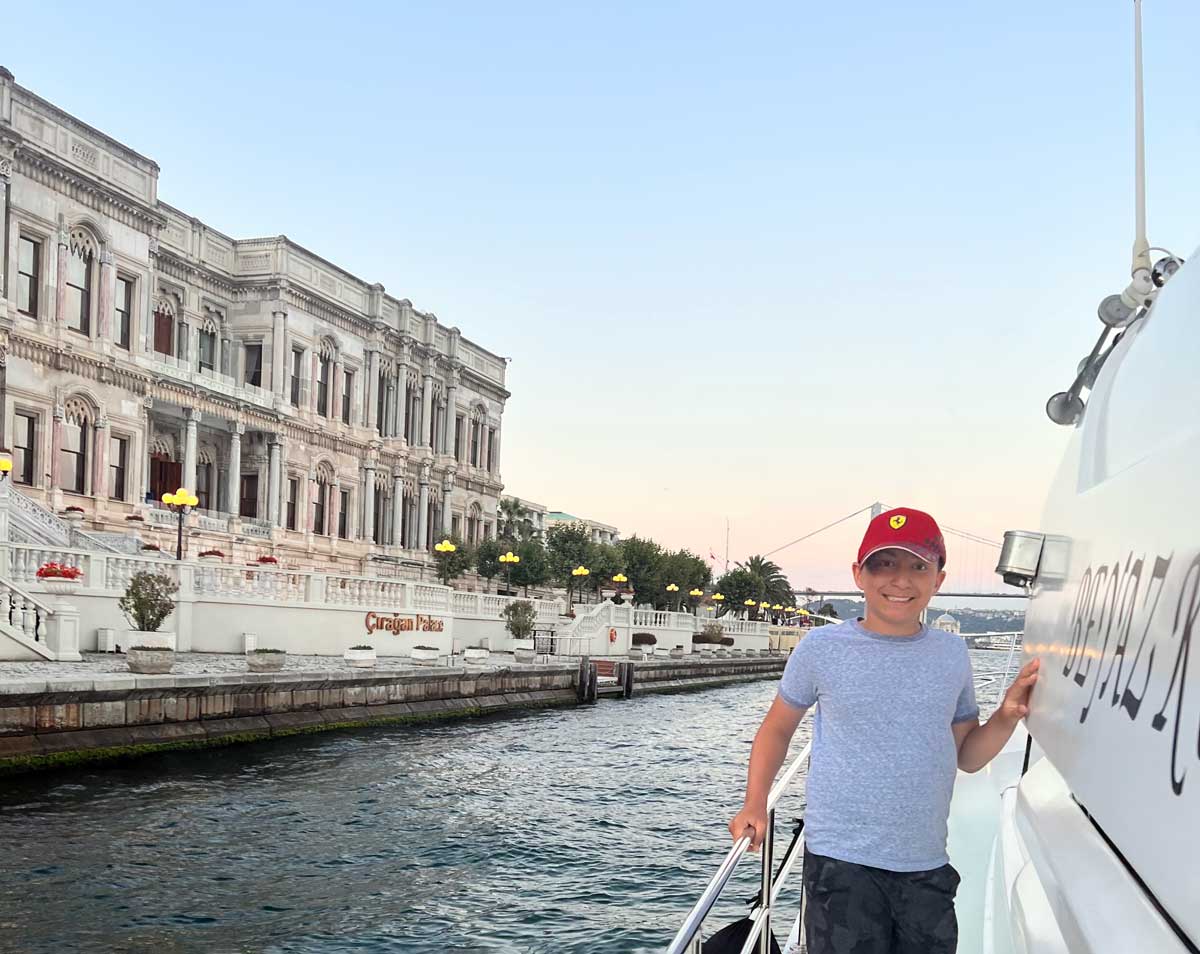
(729, 939)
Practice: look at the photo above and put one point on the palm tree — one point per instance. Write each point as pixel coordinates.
(772, 582)
(513, 521)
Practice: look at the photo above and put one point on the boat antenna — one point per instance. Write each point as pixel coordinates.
(1146, 278)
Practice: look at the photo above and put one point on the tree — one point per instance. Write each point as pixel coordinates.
(605, 562)
(687, 570)
(514, 523)
(520, 618)
(773, 584)
(643, 560)
(737, 586)
(487, 560)
(567, 546)
(827, 610)
(453, 565)
(534, 569)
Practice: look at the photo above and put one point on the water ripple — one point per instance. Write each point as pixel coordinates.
(572, 831)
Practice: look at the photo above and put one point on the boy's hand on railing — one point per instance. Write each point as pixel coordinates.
(750, 817)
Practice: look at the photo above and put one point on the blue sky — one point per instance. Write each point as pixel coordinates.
(767, 263)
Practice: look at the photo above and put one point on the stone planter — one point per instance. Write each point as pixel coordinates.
(721, 653)
(636, 655)
(265, 662)
(72, 519)
(661, 652)
(210, 560)
(676, 653)
(150, 662)
(137, 637)
(425, 657)
(705, 649)
(476, 657)
(735, 652)
(523, 650)
(60, 586)
(360, 658)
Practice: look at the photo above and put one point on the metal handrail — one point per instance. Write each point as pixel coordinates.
(770, 887)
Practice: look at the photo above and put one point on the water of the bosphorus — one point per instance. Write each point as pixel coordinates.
(588, 829)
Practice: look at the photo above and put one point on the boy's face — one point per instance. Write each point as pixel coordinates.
(897, 585)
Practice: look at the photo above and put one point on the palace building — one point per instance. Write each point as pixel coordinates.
(314, 415)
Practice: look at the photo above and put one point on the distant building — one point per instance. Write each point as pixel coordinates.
(536, 512)
(601, 532)
(947, 623)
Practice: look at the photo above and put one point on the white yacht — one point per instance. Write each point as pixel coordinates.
(1083, 836)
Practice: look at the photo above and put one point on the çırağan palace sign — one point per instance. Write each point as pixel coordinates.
(404, 624)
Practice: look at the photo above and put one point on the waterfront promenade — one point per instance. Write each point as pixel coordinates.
(91, 711)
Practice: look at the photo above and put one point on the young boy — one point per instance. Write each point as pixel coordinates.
(897, 716)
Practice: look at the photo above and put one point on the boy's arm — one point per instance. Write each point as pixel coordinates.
(979, 744)
(766, 756)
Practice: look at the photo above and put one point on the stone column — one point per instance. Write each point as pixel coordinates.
(451, 412)
(427, 412)
(60, 286)
(447, 489)
(233, 487)
(334, 409)
(368, 507)
(495, 442)
(144, 476)
(333, 508)
(316, 374)
(389, 417)
(56, 441)
(423, 512)
(402, 403)
(189, 449)
(279, 354)
(397, 509)
(108, 287)
(371, 389)
(100, 459)
(225, 366)
(483, 444)
(273, 479)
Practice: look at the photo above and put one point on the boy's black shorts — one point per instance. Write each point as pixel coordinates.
(855, 909)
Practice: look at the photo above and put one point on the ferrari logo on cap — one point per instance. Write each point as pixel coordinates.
(898, 521)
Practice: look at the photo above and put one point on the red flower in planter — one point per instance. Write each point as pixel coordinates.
(59, 571)
(269, 560)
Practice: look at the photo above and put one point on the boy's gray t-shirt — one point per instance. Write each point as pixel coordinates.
(883, 757)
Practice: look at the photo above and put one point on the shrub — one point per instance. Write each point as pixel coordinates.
(519, 616)
(212, 553)
(58, 571)
(644, 639)
(727, 641)
(362, 646)
(433, 649)
(267, 559)
(151, 649)
(147, 600)
(151, 547)
(135, 518)
(710, 635)
(73, 509)
(260, 652)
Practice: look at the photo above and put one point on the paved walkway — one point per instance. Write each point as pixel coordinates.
(198, 664)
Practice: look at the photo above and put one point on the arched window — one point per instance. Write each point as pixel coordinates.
(75, 449)
(164, 327)
(79, 289)
(322, 499)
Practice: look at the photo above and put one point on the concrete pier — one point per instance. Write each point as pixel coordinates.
(44, 723)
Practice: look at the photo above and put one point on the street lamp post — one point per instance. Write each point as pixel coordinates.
(776, 609)
(672, 588)
(749, 604)
(509, 559)
(695, 594)
(580, 572)
(719, 599)
(179, 503)
(443, 551)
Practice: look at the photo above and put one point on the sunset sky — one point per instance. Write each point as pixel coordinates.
(767, 262)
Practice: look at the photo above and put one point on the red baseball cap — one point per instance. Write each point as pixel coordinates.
(904, 529)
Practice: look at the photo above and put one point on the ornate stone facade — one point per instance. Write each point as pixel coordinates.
(141, 349)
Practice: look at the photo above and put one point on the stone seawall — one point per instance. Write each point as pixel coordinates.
(66, 721)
